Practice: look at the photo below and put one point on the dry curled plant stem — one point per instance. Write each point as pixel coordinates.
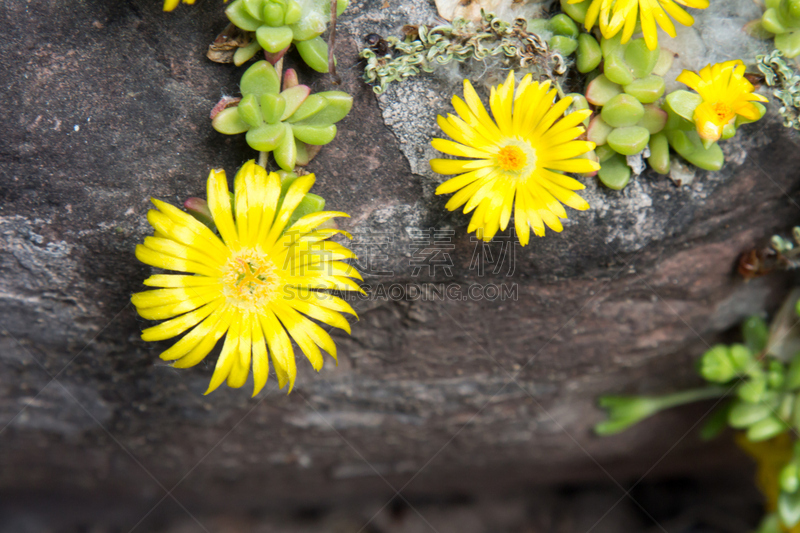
(331, 41)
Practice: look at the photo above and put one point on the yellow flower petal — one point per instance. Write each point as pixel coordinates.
(200, 333)
(241, 284)
(176, 326)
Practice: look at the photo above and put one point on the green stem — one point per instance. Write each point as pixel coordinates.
(690, 396)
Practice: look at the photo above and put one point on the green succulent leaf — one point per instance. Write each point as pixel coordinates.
(589, 53)
(788, 43)
(604, 153)
(249, 110)
(303, 157)
(600, 90)
(683, 103)
(259, 79)
(267, 137)
(563, 45)
(617, 70)
(576, 11)
(293, 12)
(311, 25)
(771, 21)
(273, 14)
(647, 89)
(314, 52)
(240, 16)
(641, 59)
(229, 122)
(743, 415)
(338, 105)
(629, 140)
(664, 63)
(310, 204)
(622, 110)
(690, 147)
(755, 333)
(654, 119)
(286, 152)
(766, 429)
(615, 173)
(272, 107)
(246, 53)
(274, 40)
(788, 479)
(315, 135)
(254, 7)
(294, 98)
(598, 131)
(561, 24)
(308, 107)
(789, 508)
(659, 159)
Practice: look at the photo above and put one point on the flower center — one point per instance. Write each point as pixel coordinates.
(511, 158)
(724, 112)
(249, 279)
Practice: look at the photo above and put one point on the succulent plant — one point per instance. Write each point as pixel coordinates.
(680, 130)
(291, 123)
(781, 19)
(562, 30)
(629, 120)
(280, 23)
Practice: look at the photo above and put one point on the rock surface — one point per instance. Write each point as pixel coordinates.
(108, 105)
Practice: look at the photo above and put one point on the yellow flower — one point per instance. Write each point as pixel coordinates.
(169, 5)
(614, 16)
(253, 281)
(517, 161)
(726, 93)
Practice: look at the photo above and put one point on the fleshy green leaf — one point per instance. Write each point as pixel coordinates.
(600, 90)
(254, 7)
(316, 135)
(272, 107)
(309, 106)
(338, 106)
(294, 97)
(241, 18)
(622, 110)
(286, 152)
(267, 137)
(274, 40)
(589, 53)
(259, 79)
(314, 52)
(629, 140)
(641, 59)
(293, 12)
(659, 159)
(683, 103)
(647, 90)
(229, 122)
(249, 110)
(614, 173)
(789, 508)
(244, 54)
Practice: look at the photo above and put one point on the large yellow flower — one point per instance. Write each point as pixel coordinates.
(614, 16)
(517, 162)
(726, 93)
(256, 281)
(169, 5)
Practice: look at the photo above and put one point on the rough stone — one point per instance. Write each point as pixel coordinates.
(108, 105)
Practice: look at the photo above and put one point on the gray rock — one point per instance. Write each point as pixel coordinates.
(108, 105)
